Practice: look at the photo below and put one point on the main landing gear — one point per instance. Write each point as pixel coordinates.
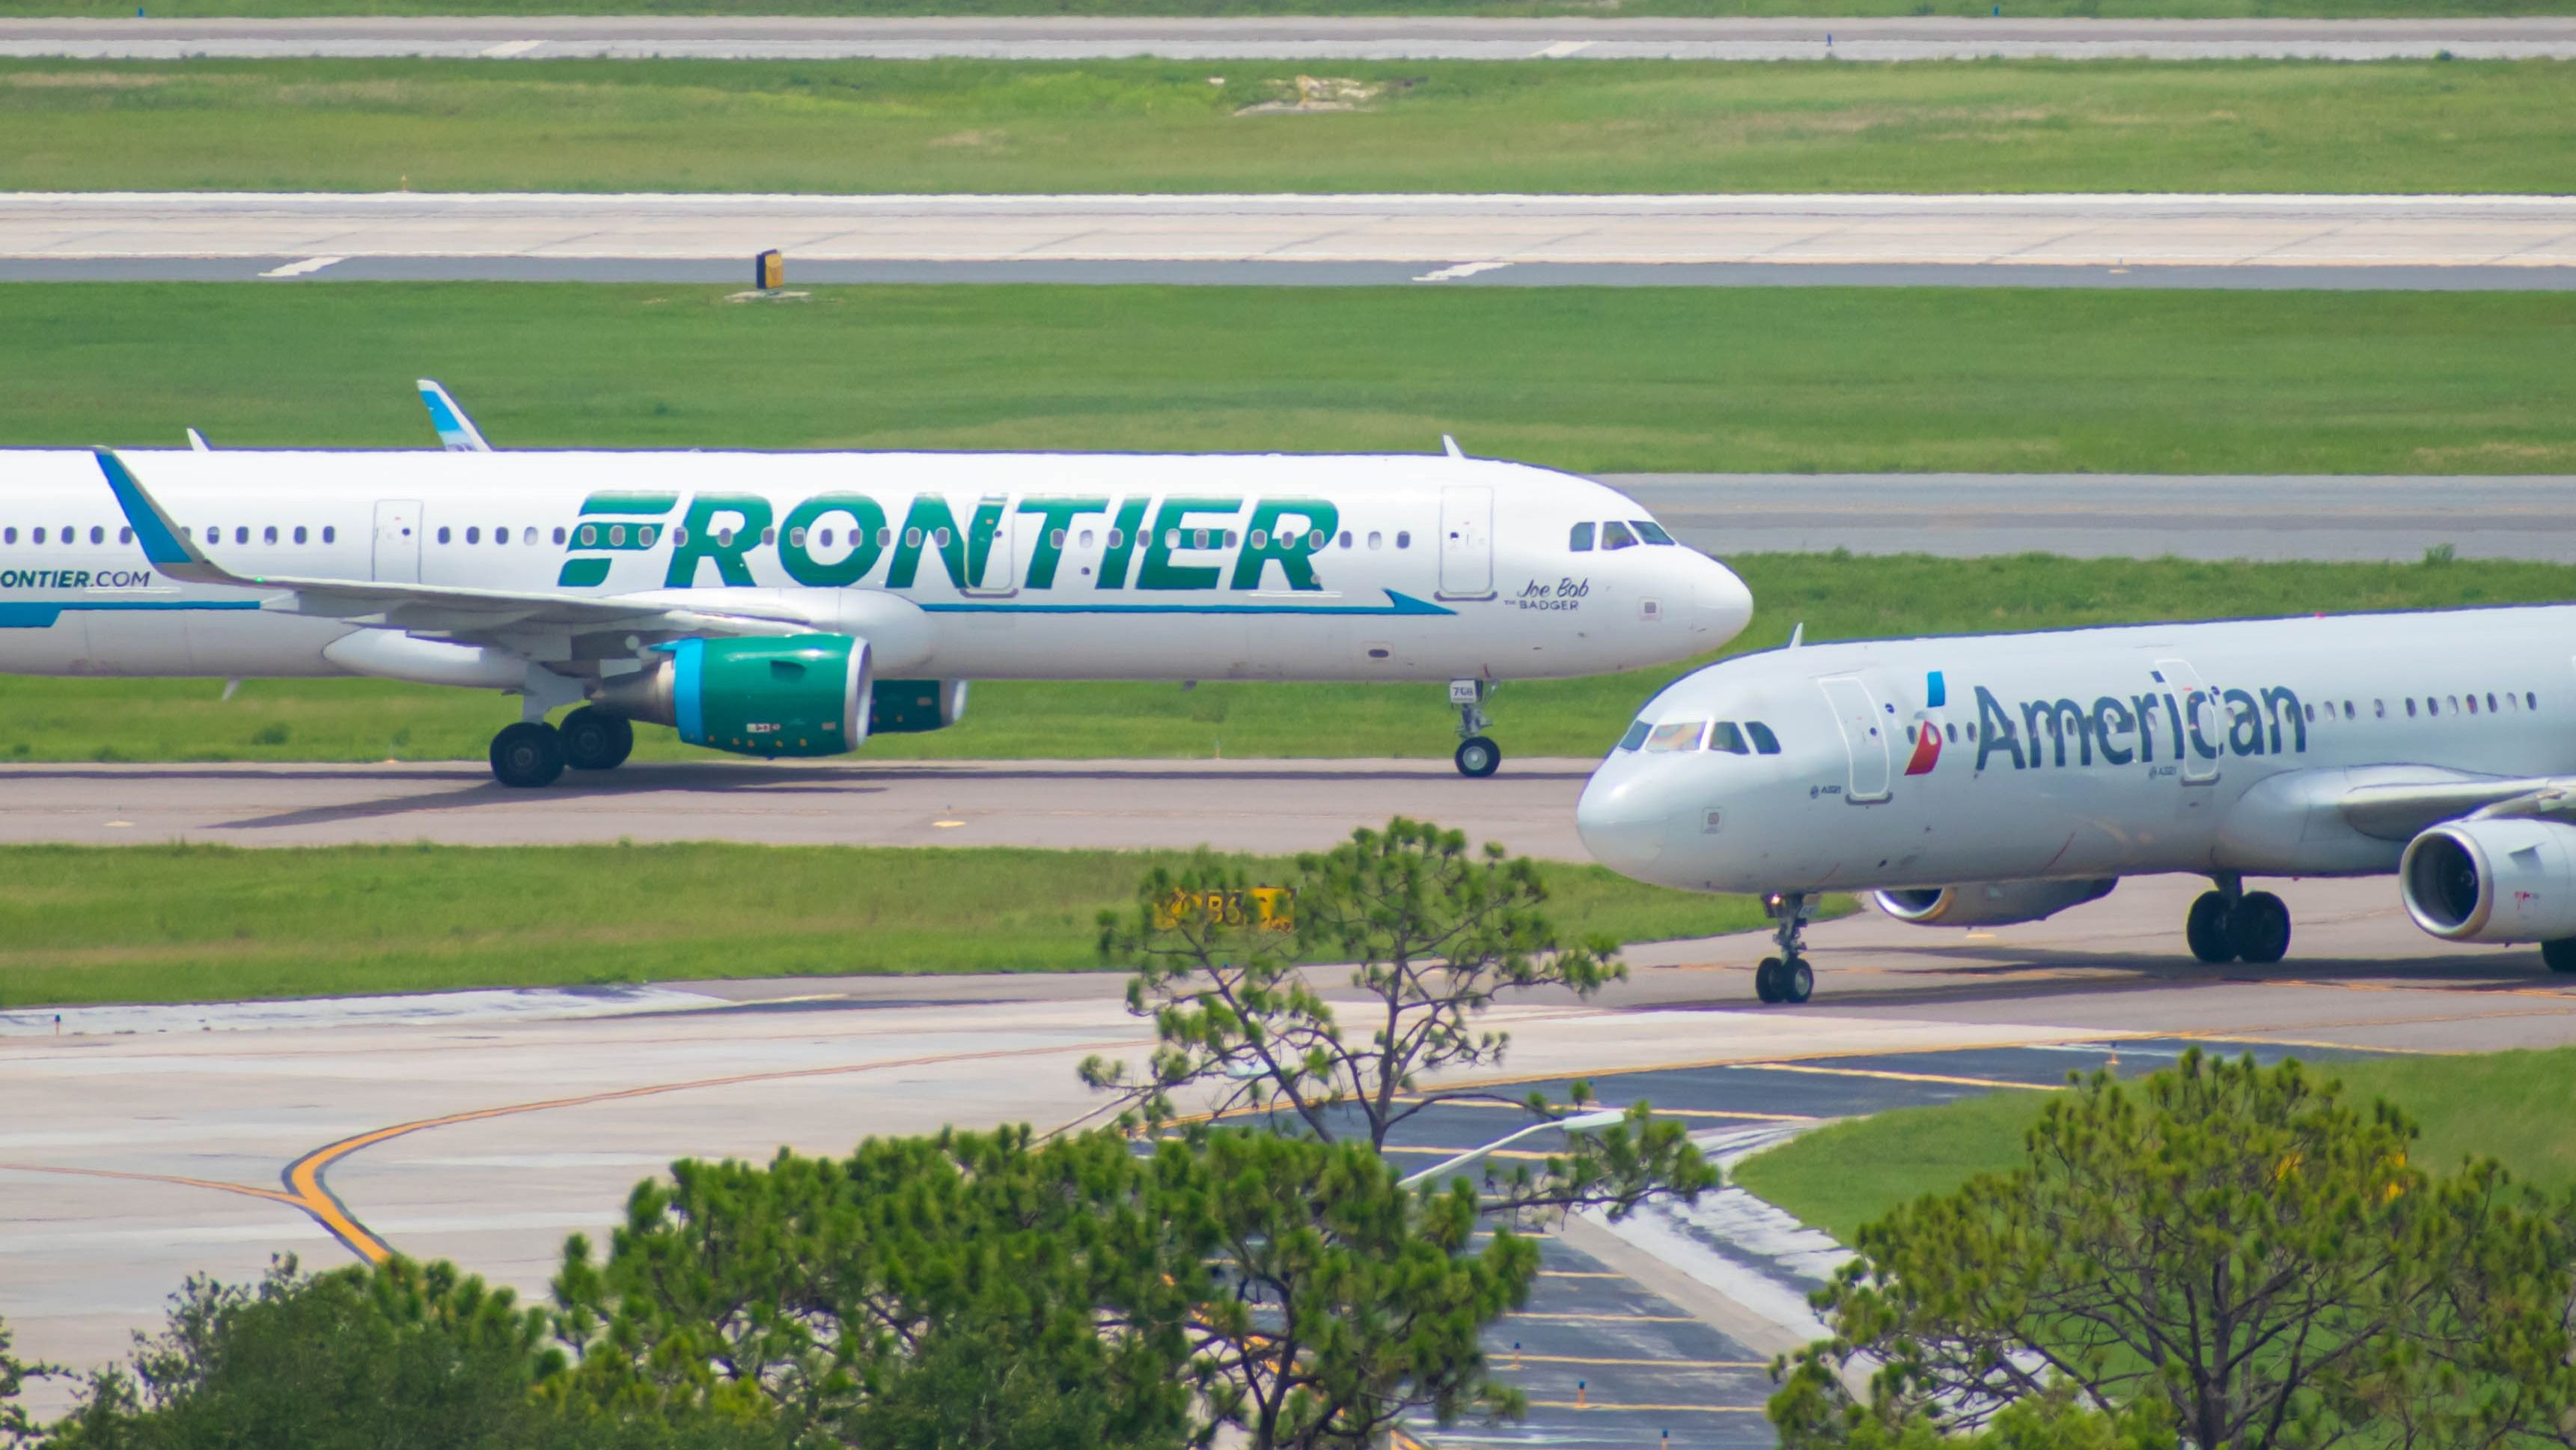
(1786, 977)
(1478, 756)
(533, 753)
(2232, 924)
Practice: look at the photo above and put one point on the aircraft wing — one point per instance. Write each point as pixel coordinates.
(419, 608)
(2396, 809)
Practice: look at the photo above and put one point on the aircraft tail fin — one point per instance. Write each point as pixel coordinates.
(456, 432)
(164, 543)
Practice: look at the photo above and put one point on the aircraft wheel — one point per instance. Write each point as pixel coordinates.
(593, 739)
(1796, 981)
(2560, 955)
(2206, 929)
(2259, 928)
(527, 755)
(1478, 757)
(1766, 980)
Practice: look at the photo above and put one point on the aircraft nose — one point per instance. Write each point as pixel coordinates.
(1623, 819)
(1725, 606)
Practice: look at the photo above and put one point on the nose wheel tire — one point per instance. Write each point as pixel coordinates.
(593, 739)
(1478, 757)
(1791, 981)
(527, 755)
(2560, 955)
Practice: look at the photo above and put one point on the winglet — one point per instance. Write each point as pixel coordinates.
(197, 442)
(456, 432)
(1450, 446)
(163, 543)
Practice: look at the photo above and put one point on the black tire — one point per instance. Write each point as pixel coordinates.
(1478, 757)
(527, 755)
(2560, 955)
(2259, 929)
(1766, 980)
(1796, 980)
(2206, 930)
(593, 739)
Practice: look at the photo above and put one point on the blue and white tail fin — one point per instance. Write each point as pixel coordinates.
(456, 432)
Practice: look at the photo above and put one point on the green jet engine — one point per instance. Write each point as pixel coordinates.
(807, 694)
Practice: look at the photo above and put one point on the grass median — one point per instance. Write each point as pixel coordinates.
(1835, 598)
(205, 923)
(1160, 126)
(2508, 1105)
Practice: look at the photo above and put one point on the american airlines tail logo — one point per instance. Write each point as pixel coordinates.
(834, 540)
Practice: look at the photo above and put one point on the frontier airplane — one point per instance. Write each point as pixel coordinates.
(2004, 778)
(791, 604)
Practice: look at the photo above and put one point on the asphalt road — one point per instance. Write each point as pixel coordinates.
(138, 1150)
(1292, 38)
(1429, 239)
(2113, 515)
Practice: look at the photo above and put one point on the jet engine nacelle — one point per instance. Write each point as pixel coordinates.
(1991, 903)
(906, 707)
(806, 694)
(2506, 880)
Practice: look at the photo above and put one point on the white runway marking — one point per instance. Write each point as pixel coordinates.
(509, 49)
(1463, 269)
(304, 268)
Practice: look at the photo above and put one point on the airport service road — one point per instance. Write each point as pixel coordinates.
(1291, 38)
(141, 1148)
(1425, 239)
(2115, 515)
(1247, 805)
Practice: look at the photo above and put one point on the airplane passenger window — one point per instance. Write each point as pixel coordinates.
(1055, 539)
(1261, 538)
(1764, 741)
(1346, 538)
(1117, 538)
(241, 534)
(2312, 714)
(1375, 538)
(2530, 701)
(2455, 704)
(2490, 693)
(1615, 535)
(939, 538)
(796, 538)
(1198, 538)
(2347, 709)
(331, 534)
(442, 534)
(299, 533)
(559, 533)
(1171, 538)
(475, 535)
(1636, 736)
(2473, 704)
(40, 536)
(616, 535)
(1404, 538)
(912, 538)
(1314, 540)
(98, 535)
(767, 536)
(1229, 539)
(2410, 707)
(2379, 709)
(123, 536)
(679, 535)
(501, 535)
(1086, 538)
(528, 535)
(1580, 541)
(10, 536)
(1651, 532)
(1674, 736)
(1724, 736)
(1952, 731)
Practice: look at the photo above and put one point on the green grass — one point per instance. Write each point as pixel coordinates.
(198, 923)
(977, 126)
(2510, 1106)
(186, 720)
(2113, 9)
(1597, 379)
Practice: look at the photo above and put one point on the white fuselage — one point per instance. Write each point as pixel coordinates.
(2078, 755)
(992, 566)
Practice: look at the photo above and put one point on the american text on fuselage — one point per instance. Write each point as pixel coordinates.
(1997, 779)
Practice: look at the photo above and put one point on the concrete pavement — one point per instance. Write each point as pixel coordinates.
(1291, 38)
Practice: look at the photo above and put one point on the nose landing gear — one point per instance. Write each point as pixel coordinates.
(1478, 756)
(1786, 977)
(2232, 924)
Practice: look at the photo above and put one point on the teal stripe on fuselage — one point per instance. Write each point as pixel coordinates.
(44, 616)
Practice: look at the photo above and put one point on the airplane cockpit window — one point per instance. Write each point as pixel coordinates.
(1636, 735)
(1764, 742)
(1580, 541)
(1676, 735)
(1615, 535)
(1725, 736)
(1651, 532)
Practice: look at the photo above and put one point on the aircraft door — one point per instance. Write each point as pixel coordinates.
(397, 558)
(2202, 721)
(1466, 542)
(1864, 725)
(1001, 571)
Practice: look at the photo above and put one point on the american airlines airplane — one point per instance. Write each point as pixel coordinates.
(792, 604)
(2004, 778)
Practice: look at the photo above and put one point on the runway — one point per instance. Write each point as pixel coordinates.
(2115, 515)
(131, 1160)
(1423, 238)
(1292, 38)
